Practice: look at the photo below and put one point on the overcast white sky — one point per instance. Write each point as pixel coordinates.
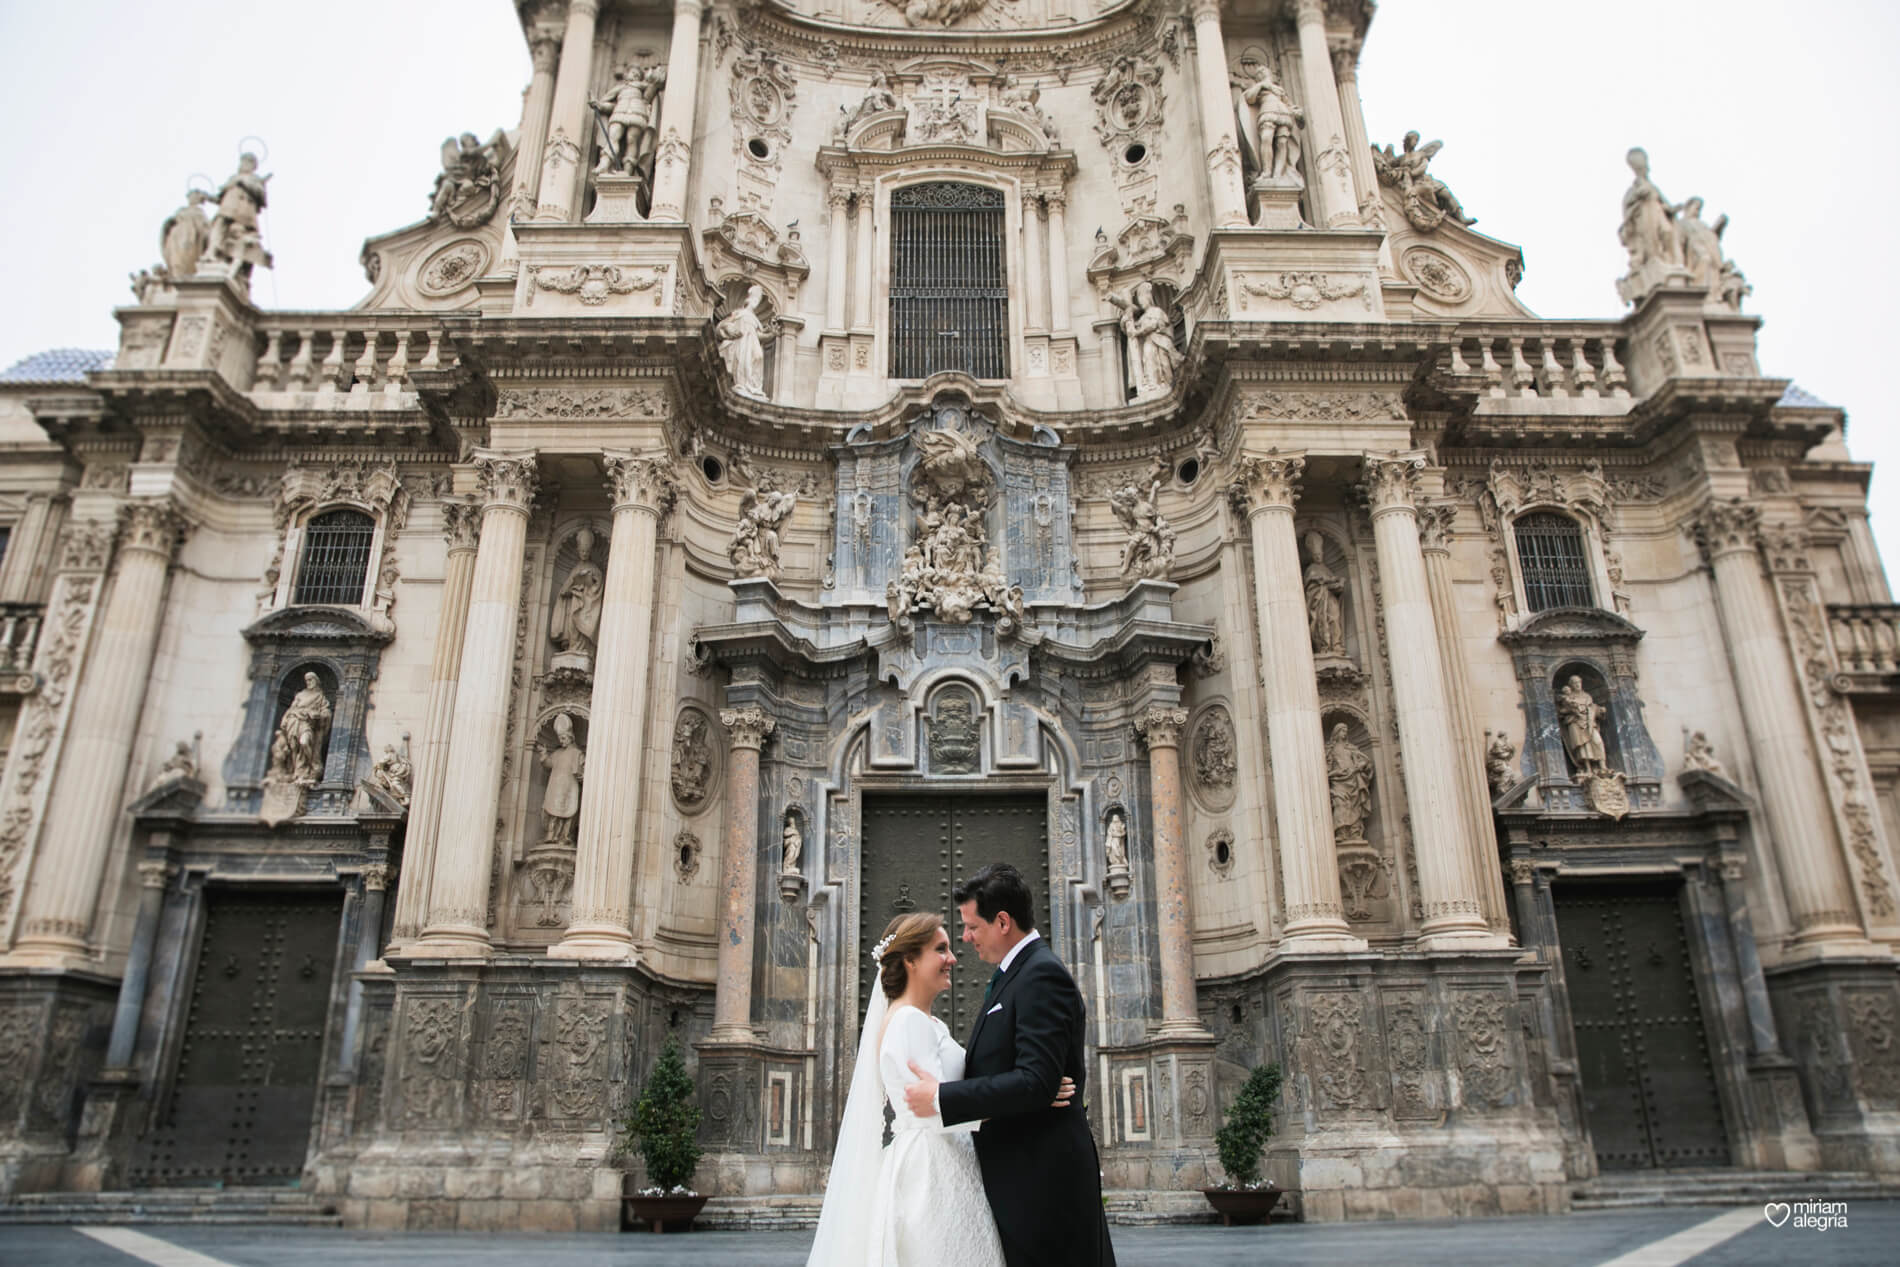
(1779, 114)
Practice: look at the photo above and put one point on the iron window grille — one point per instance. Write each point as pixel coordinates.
(335, 565)
(949, 284)
(1551, 556)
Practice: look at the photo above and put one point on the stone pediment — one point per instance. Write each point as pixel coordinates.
(1458, 271)
(432, 264)
(316, 624)
(1573, 624)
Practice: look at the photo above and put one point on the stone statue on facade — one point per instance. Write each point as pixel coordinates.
(1152, 357)
(393, 772)
(1022, 99)
(182, 238)
(1428, 201)
(1648, 233)
(739, 336)
(692, 760)
(631, 110)
(1699, 754)
(1349, 774)
(1701, 246)
(234, 241)
(754, 548)
(1499, 752)
(181, 766)
(1325, 621)
(1148, 553)
(1580, 716)
(304, 731)
(938, 12)
(470, 171)
(877, 99)
(574, 624)
(794, 845)
(1115, 844)
(1278, 122)
(566, 764)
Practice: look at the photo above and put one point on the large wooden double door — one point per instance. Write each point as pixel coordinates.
(916, 848)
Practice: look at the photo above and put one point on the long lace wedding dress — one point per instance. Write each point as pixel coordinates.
(918, 1202)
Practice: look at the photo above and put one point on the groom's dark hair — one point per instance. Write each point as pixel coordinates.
(999, 887)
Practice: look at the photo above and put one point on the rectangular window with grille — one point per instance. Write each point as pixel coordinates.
(949, 284)
(335, 563)
(1551, 556)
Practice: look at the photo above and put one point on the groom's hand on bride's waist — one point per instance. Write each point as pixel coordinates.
(921, 1095)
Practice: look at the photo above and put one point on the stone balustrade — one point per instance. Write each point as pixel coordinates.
(1866, 637)
(354, 354)
(19, 636)
(1571, 361)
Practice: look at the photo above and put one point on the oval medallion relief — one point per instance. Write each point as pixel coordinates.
(452, 269)
(1437, 274)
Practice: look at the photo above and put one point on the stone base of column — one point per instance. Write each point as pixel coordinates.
(1461, 939)
(743, 1114)
(51, 954)
(1837, 1022)
(1319, 941)
(451, 941)
(106, 1132)
(1160, 1106)
(1829, 942)
(600, 943)
(57, 1046)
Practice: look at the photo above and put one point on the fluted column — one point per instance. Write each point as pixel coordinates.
(461, 524)
(601, 926)
(1813, 874)
(1448, 882)
(24, 549)
(1160, 728)
(1352, 112)
(457, 923)
(748, 726)
(675, 158)
(83, 810)
(861, 265)
(1056, 203)
(1228, 199)
(1474, 792)
(569, 128)
(837, 263)
(155, 875)
(536, 110)
(1331, 165)
(1265, 488)
(1035, 291)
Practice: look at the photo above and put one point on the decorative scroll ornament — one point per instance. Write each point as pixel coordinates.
(1128, 102)
(593, 284)
(1305, 291)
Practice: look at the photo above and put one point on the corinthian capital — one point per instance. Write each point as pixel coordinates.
(1727, 528)
(1434, 525)
(154, 526)
(461, 523)
(645, 481)
(1269, 481)
(1391, 483)
(748, 725)
(508, 479)
(1160, 727)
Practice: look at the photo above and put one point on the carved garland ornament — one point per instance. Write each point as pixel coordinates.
(594, 284)
(1306, 291)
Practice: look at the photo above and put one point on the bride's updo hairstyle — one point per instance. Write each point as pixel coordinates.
(905, 938)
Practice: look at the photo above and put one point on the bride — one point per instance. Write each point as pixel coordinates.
(918, 1202)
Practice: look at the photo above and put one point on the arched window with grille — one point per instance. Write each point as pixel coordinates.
(1554, 563)
(949, 281)
(335, 563)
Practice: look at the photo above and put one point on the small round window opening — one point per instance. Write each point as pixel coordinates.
(712, 468)
(1189, 471)
(758, 148)
(1134, 153)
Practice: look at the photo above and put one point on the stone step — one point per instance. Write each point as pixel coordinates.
(208, 1206)
(1126, 1208)
(1622, 1191)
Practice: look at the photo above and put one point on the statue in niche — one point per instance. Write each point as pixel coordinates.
(1278, 120)
(1214, 759)
(794, 843)
(1499, 752)
(574, 625)
(234, 240)
(1115, 843)
(1699, 754)
(740, 348)
(692, 760)
(566, 764)
(1349, 775)
(877, 99)
(1324, 619)
(393, 772)
(1581, 716)
(1148, 553)
(631, 109)
(182, 238)
(297, 748)
(181, 766)
(755, 546)
(1701, 246)
(1152, 358)
(1428, 201)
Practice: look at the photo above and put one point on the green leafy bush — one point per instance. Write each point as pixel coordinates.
(664, 1123)
(1249, 1123)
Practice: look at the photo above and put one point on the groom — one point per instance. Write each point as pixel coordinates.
(1040, 1168)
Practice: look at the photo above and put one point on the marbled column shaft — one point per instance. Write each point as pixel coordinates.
(837, 264)
(1227, 197)
(1303, 815)
(861, 319)
(674, 162)
(1160, 728)
(154, 875)
(1035, 289)
(1448, 883)
(569, 129)
(82, 814)
(1330, 164)
(749, 725)
(1762, 1037)
(461, 522)
(458, 891)
(601, 926)
(1056, 205)
(1813, 874)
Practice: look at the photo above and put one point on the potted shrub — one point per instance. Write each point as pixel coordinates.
(663, 1125)
(1246, 1197)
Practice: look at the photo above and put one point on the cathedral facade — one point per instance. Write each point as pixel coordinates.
(757, 494)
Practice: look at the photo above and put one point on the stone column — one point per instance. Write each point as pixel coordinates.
(600, 926)
(369, 931)
(1160, 728)
(155, 875)
(535, 111)
(1352, 111)
(1762, 1038)
(1303, 815)
(457, 922)
(1056, 204)
(673, 162)
(24, 548)
(82, 812)
(861, 265)
(569, 128)
(1035, 291)
(1524, 897)
(1813, 875)
(837, 264)
(1474, 792)
(732, 1004)
(1227, 197)
(461, 524)
(1448, 883)
(1335, 202)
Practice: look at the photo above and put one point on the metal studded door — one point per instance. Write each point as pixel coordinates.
(1648, 1089)
(239, 1106)
(916, 848)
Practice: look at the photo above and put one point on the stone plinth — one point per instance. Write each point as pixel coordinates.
(1293, 274)
(607, 270)
(617, 200)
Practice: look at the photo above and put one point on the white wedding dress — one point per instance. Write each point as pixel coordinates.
(920, 1201)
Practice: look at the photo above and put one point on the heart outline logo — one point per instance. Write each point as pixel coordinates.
(1776, 1212)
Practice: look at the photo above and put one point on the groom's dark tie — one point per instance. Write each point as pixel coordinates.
(990, 989)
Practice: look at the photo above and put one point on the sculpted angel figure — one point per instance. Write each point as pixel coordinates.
(575, 623)
(303, 731)
(1580, 716)
(182, 238)
(181, 765)
(1349, 779)
(1149, 550)
(1278, 121)
(1428, 200)
(754, 549)
(740, 347)
(1701, 245)
(877, 99)
(468, 168)
(632, 109)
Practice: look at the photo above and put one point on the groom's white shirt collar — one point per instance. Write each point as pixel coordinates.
(1017, 949)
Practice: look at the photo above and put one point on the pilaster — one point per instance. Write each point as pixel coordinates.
(747, 727)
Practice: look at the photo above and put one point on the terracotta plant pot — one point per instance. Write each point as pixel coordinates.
(660, 1214)
(1243, 1206)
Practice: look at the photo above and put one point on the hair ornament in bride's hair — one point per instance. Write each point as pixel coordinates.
(877, 951)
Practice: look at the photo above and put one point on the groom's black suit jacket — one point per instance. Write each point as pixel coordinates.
(1040, 1168)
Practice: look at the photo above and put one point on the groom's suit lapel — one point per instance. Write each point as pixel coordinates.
(1002, 988)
